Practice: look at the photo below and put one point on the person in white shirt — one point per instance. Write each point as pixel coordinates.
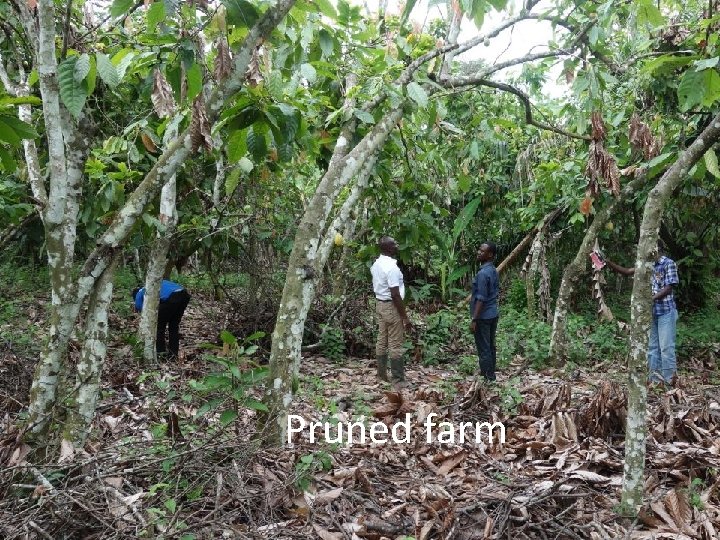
(389, 292)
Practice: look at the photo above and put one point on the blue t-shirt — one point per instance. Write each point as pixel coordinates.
(166, 289)
(486, 288)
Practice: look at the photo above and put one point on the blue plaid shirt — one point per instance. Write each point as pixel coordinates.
(664, 273)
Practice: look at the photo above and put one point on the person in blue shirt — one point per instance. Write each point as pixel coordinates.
(484, 309)
(173, 301)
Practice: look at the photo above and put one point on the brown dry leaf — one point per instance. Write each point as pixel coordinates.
(32, 4)
(67, 451)
(450, 463)
(328, 496)
(39, 491)
(200, 126)
(18, 456)
(162, 95)
(253, 75)
(659, 510)
(148, 143)
(426, 528)
(586, 206)
(324, 534)
(598, 126)
(641, 138)
(223, 61)
(678, 507)
(589, 476)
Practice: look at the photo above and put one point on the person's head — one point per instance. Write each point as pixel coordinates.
(134, 292)
(388, 246)
(486, 252)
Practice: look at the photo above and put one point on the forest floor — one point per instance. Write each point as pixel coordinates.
(160, 466)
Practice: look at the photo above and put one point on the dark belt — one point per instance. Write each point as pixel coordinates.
(383, 300)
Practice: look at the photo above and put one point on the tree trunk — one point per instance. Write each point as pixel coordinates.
(641, 315)
(81, 405)
(167, 217)
(559, 343)
(305, 266)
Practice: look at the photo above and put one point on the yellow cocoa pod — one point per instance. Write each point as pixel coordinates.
(338, 239)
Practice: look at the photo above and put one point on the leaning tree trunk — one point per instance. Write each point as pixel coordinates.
(559, 342)
(156, 265)
(83, 397)
(641, 315)
(310, 251)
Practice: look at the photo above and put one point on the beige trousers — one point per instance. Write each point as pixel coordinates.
(390, 338)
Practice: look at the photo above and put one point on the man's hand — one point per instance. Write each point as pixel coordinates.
(473, 326)
(407, 324)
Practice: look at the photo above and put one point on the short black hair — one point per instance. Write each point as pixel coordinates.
(491, 246)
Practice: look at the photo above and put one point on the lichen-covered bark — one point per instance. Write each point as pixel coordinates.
(158, 262)
(641, 315)
(156, 269)
(84, 395)
(305, 265)
(573, 271)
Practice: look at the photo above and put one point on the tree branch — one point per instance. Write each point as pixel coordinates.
(525, 100)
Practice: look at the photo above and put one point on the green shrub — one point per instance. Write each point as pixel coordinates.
(519, 335)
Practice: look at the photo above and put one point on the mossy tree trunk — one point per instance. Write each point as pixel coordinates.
(641, 315)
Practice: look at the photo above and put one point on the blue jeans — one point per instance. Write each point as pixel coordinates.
(485, 330)
(661, 349)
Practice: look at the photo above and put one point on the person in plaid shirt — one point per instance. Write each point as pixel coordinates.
(661, 348)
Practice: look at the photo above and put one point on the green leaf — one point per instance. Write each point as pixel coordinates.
(364, 116)
(464, 181)
(256, 142)
(274, 84)
(474, 150)
(326, 8)
(6, 161)
(22, 100)
(228, 338)
(227, 417)
(155, 15)
(22, 129)
(648, 13)
(194, 81)
(82, 67)
(231, 182)
(666, 64)
(120, 7)
(91, 79)
(106, 70)
(327, 44)
(417, 94)
(465, 217)
(237, 146)
(698, 88)
(121, 60)
(711, 163)
(240, 13)
(245, 165)
(308, 72)
(171, 505)
(255, 405)
(707, 63)
(72, 92)
(7, 134)
(458, 273)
